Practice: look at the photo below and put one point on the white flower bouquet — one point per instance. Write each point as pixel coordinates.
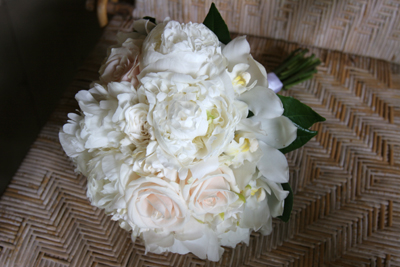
(183, 142)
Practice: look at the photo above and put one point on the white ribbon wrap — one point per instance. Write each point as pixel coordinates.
(273, 82)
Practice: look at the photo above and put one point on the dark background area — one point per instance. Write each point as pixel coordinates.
(42, 44)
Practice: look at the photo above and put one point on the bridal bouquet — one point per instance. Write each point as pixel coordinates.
(182, 141)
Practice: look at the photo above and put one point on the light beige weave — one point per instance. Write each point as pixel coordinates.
(346, 181)
(364, 27)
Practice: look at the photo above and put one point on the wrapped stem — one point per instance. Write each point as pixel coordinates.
(297, 68)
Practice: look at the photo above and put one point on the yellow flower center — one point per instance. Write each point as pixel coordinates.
(239, 80)
(210, 117)
(246, 145)
(254, 191)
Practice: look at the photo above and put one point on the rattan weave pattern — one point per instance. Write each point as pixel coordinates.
(346, 181)
(363, 27)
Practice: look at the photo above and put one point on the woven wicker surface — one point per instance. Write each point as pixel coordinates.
(364, 27)
(346, 181)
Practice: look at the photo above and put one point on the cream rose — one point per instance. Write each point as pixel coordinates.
(213, 194)
(122, 62)
(153, 203)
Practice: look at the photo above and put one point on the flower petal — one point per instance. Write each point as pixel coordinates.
(255, 214)
(244, 173)
(237, 51)
(276, 201)
(205, 166)
(279, 132)
(231, 238)
(276, 196)
(249, 125)
(273, 164)
(263, 102)
(258, 72)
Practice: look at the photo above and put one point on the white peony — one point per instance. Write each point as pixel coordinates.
(190, 48)
(193, 119)
(100, 125)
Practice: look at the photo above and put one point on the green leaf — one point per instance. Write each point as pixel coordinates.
(299, 113)
(151, 19)
(303, 117)
(303, 136)
(216, 24)
(287, 210)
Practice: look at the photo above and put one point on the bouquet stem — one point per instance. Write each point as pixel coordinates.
(297, 68)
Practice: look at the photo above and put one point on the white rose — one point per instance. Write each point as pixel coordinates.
(153, 203)
(182, 48)
(192, 119)
(137, 128)
(146, 163)
(213, 194)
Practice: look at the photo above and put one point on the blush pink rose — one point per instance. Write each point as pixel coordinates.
(213, 194)
(153, 203)
(122, 63)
